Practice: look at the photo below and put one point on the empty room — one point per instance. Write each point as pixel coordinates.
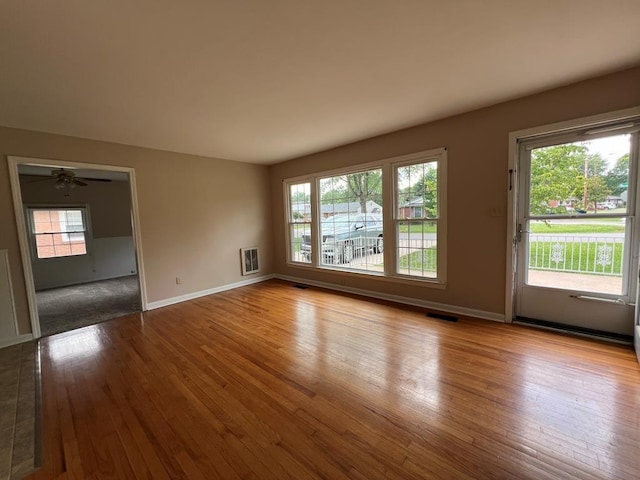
(359, 239)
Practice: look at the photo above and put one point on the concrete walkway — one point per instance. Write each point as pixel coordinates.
(576, 281)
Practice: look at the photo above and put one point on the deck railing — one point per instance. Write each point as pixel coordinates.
(601, 255)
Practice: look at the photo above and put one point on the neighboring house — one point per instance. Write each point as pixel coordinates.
(623, 197)
(618, 201)
(345, 208)
(301, 211)
(412, 209)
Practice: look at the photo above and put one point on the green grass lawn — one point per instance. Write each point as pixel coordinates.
(420, 260)
(614, 227)
(418, 228)
(576, 257)
(295, 245)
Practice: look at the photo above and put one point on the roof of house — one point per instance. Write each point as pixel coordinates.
(416, 202)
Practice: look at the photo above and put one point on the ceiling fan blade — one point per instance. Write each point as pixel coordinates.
(41, 178)
(96, 179)
(61, 171)
(78, 182)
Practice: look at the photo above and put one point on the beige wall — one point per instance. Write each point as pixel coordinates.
(477, 144)
(195, 212)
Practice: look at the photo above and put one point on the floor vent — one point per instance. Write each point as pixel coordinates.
(441, 316)
(249, 259)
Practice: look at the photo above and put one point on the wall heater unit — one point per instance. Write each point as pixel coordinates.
(249, 259)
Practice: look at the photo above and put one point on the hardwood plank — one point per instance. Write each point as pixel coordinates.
(272, 382)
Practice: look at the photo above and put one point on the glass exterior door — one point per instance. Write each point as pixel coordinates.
(577, 232)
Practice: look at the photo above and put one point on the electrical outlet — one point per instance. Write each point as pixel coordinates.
(178, 281)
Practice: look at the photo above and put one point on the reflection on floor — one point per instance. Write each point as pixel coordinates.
(67, 308)
(19, 387)
(269, 381)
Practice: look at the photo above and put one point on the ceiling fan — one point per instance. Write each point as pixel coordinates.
(68, 179)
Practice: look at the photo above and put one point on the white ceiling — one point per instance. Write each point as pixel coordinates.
(263, 81)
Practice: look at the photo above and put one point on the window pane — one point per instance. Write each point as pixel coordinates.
(417, 190)
(351, 226)
(577, 254)
(417, 248)
(42, 222)
(70, 220)
(300, 222)
(59, 245)
(300, 235)
(580, 177)
(417, 200)
(300, 202)
(78, 248)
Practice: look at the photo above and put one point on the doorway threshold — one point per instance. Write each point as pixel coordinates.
(574, 330)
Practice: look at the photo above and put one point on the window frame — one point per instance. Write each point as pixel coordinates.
(439, 156)
(389, 218)
(287, 184)
(318, 243)
(88, 237)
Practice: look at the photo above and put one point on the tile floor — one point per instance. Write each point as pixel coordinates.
(18, 405)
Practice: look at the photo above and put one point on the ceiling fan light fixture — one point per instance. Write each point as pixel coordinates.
(66, 178)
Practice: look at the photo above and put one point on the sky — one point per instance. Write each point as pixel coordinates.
(610, 148)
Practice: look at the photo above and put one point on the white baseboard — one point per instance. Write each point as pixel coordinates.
(468, 312)
(202, 293)
(7, 342)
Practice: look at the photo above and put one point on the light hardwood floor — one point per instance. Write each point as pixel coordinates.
(273, 382)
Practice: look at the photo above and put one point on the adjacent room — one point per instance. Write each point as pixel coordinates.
(82, 251)
(340, 240)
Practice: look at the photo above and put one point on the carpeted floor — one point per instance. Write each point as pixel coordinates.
(68, 308)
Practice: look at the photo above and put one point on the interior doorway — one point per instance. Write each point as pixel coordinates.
(79, 240)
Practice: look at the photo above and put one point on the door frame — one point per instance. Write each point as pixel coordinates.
(23, 237)
(515, 138)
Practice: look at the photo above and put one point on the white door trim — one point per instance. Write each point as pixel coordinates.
(512, 210)
(13, 162)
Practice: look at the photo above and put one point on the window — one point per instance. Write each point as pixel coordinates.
(418, 218)
(299, 220)
(58, 232)
(351, 224)
(343, 215)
